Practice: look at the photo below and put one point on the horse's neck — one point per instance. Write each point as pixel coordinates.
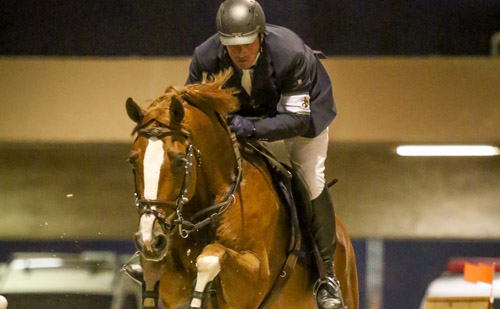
(185, 250)
(218, 170)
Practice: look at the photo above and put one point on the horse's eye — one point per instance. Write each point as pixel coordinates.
(179, 160)
(132, 158)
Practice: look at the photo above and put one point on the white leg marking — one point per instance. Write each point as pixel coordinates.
(208, 268)
(153, 158)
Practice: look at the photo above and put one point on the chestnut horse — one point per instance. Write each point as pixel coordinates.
(187, 165)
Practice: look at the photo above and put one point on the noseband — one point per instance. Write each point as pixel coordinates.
(148, 206)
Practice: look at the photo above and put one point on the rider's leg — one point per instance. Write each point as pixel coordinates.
(308, 159)
(323, 228)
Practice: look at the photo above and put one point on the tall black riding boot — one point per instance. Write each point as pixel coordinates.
(323, 229)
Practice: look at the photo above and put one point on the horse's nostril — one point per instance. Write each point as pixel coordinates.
(160, 243)
(138, 242)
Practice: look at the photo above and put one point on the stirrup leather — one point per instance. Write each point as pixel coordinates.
(332, 284)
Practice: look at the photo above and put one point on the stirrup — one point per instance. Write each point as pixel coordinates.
(133, 269)
(332, 284)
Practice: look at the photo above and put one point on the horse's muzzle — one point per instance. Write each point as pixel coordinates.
(153, 250)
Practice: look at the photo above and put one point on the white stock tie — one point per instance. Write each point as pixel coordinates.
(246, 81)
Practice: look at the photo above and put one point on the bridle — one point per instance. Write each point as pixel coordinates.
(211, 213)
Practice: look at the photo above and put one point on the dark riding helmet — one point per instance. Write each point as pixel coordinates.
(240, 21)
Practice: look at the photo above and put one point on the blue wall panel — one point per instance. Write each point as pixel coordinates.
(409, 266)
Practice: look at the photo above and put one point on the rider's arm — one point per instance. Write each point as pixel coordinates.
(282, 126)
(195, 70)
(293, 116)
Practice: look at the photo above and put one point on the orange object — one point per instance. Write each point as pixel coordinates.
(471, 272)
(481, 272)
(486, 273)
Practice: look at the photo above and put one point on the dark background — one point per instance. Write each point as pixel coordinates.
(175, 28)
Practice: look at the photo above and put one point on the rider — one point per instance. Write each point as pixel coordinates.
(286, 94)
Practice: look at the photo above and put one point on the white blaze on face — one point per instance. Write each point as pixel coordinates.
(153, 159)
(146, 228)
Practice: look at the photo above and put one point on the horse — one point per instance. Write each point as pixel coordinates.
(187, 164)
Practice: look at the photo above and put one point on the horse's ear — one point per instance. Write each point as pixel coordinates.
(176, 111)
(134, 111)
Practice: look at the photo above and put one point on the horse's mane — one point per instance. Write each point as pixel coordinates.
(209, 94)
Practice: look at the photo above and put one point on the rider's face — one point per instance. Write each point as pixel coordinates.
(244, 56)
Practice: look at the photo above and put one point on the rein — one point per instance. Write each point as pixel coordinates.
(186, 227)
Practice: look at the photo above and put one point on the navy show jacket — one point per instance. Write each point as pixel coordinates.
(286, 66)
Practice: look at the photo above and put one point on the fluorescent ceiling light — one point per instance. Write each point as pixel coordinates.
(447, 150)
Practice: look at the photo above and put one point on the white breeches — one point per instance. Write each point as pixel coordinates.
(308, 156)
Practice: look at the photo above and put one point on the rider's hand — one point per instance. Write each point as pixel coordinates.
(242, 127)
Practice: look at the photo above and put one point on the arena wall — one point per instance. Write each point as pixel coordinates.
(65, 136)
(427, 99)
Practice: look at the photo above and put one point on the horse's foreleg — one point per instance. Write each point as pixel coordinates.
(242, 269)
(208, 265)
(152, 274)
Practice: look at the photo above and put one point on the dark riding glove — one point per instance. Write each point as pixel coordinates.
(242, 127)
